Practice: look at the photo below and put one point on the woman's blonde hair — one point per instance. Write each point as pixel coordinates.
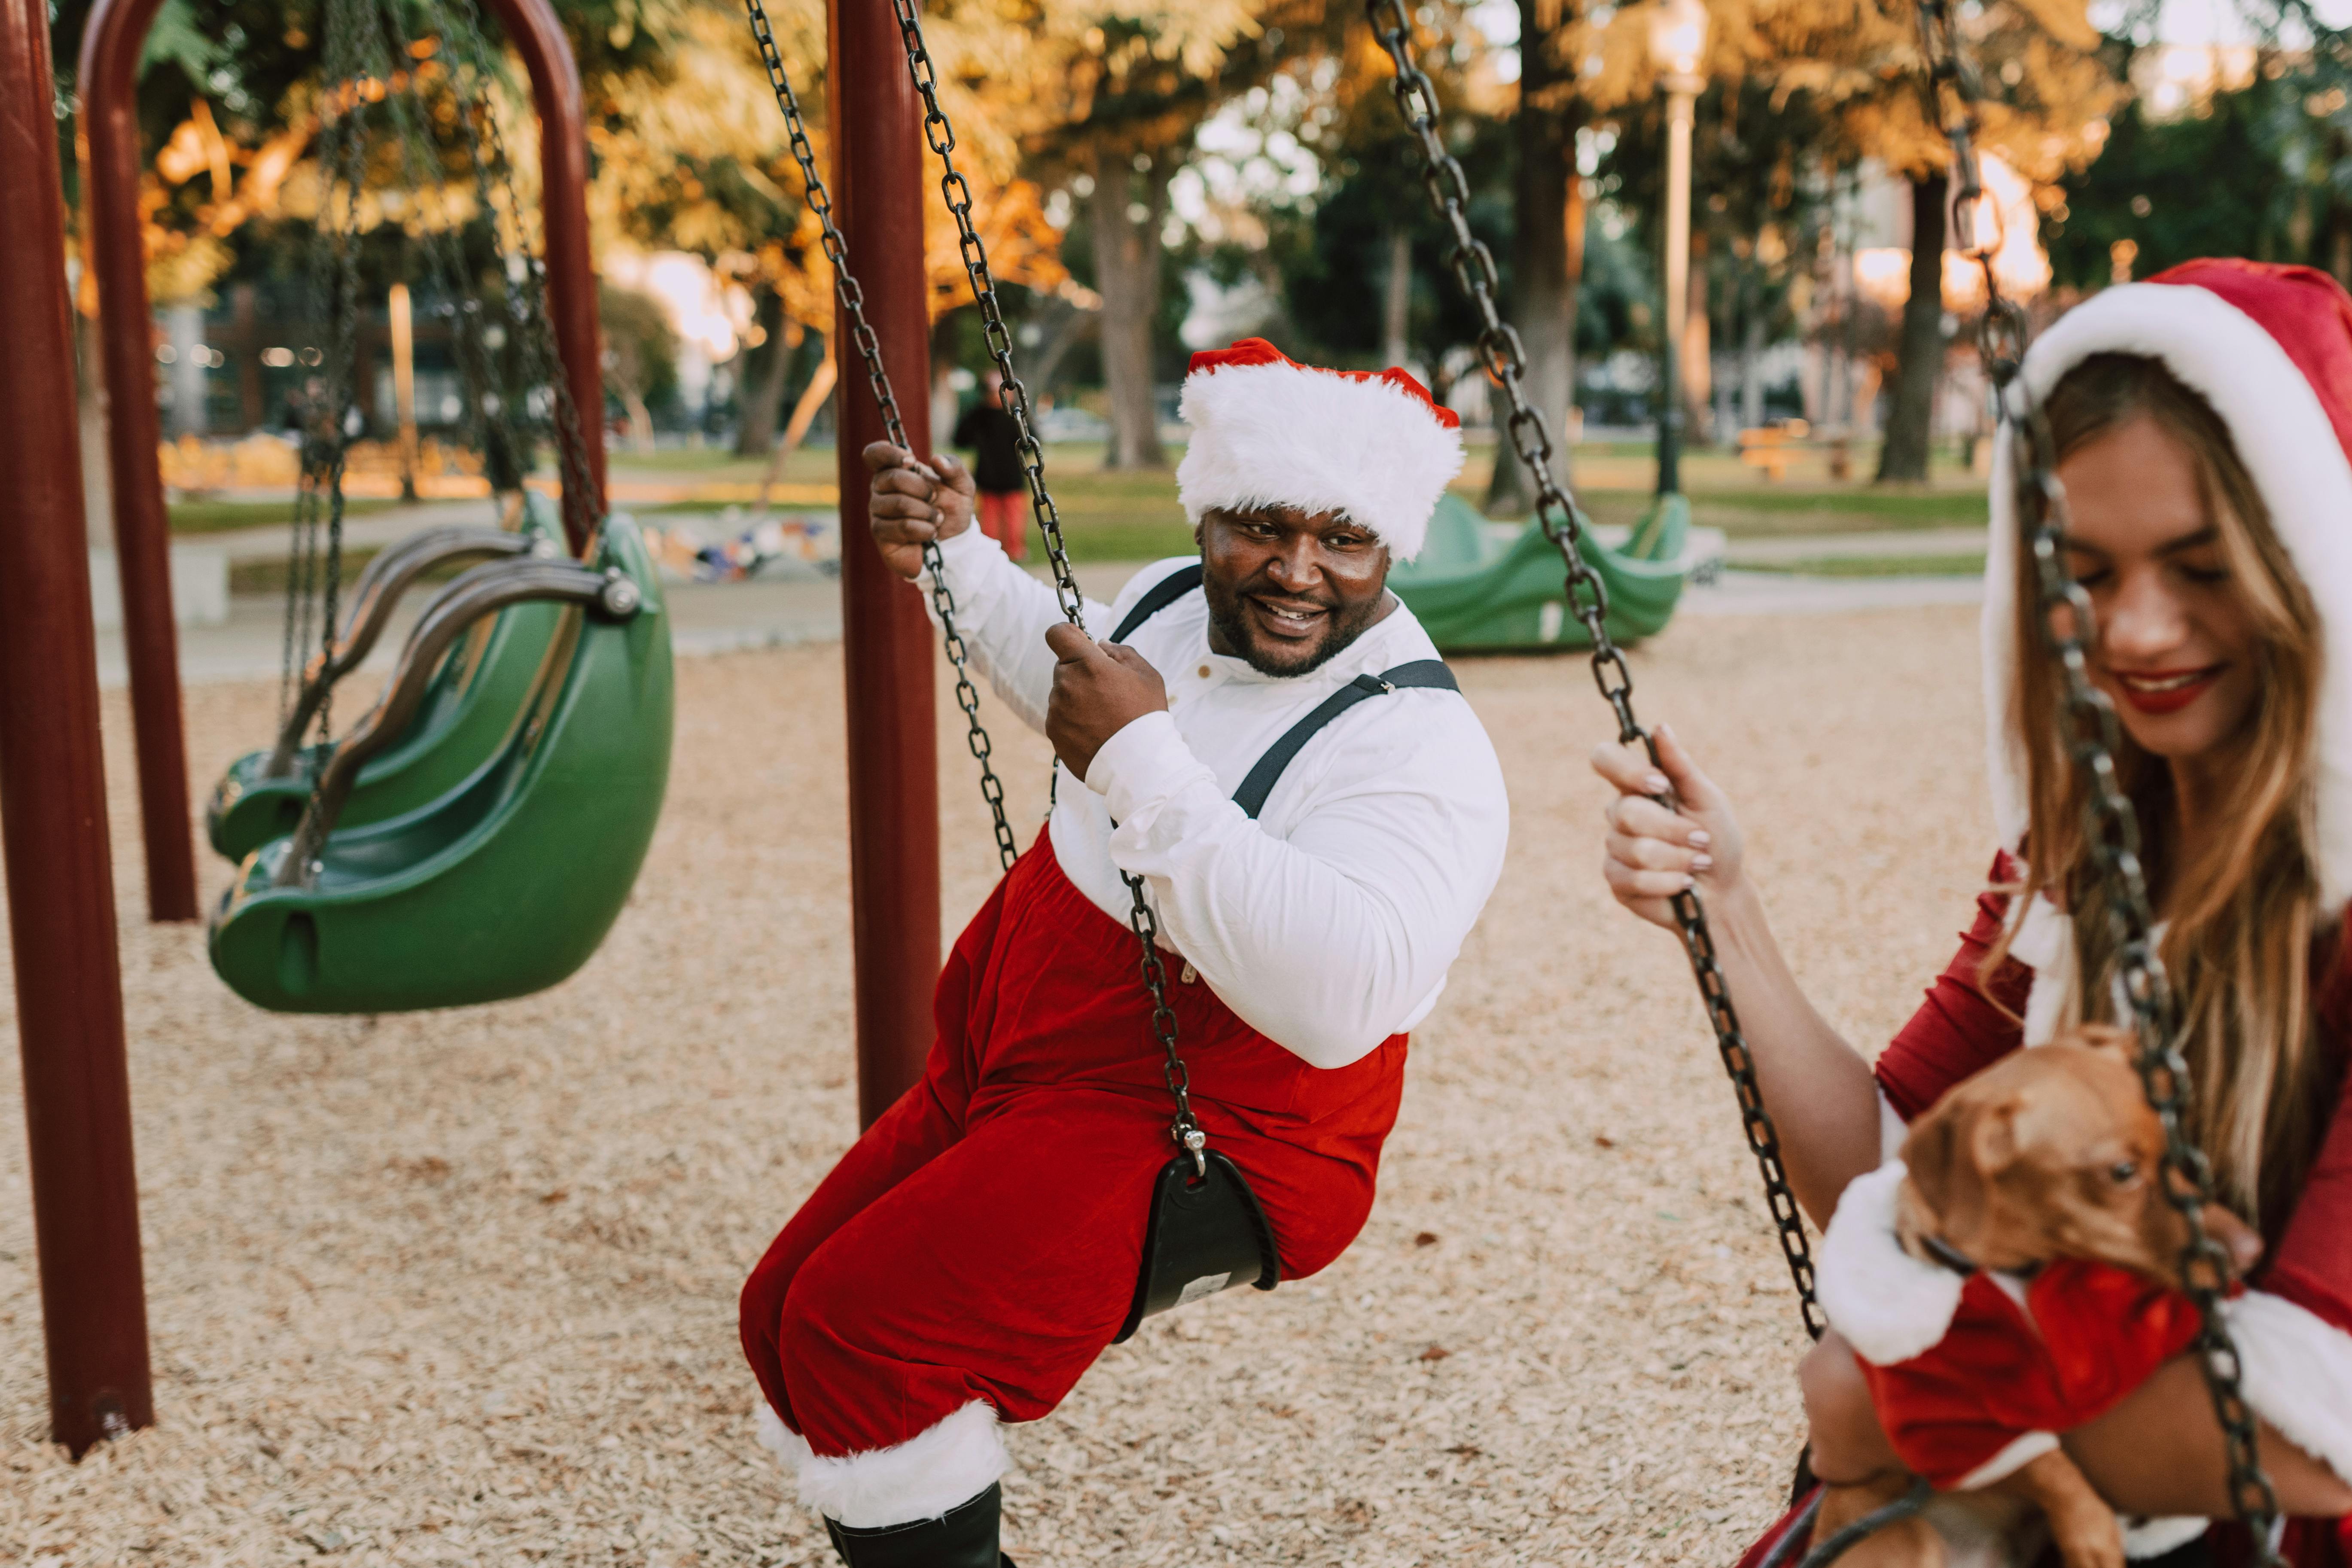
(2242, 914)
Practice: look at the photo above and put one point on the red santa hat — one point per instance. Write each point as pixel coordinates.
(1267, 431)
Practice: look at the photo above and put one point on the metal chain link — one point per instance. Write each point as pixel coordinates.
(952, 186)
(543, 358)
(1185, 1129)
(346, 70)
(852, 300)
(443, 244)
(1564, 524)
(2111, 825)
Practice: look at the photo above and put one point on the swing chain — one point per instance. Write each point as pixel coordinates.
(342, 348)
(1500, 352)
(541, 357)
(2110, 821)
(1185, 1129)
(444, 246)
(851, 299)
(940, 135)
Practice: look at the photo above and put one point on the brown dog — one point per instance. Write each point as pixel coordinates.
(2050, 1154)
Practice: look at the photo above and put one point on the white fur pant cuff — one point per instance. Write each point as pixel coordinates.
(922, 1477)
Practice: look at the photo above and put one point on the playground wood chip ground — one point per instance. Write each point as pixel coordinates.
(460, 1288)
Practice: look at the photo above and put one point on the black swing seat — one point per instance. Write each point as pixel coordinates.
(1205, 1232)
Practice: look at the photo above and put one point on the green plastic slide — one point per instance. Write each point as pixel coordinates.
(1477, 591)
(507, 883)
(464, 716)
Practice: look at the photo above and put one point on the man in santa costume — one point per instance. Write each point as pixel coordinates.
(976, 1251)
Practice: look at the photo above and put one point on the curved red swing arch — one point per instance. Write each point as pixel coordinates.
(53, 830)
(108, 83)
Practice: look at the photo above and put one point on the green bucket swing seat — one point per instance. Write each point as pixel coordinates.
(505, 884)
(1474, 591)
(464, 716)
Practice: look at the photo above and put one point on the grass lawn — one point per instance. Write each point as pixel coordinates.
(269, 576)
(1135, 516)
(1966, 565)
(222, 516)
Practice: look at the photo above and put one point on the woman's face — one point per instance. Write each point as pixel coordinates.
(2176, 644)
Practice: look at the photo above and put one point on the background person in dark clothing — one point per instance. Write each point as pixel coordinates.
(988, 431)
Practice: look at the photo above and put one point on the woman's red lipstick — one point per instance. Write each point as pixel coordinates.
(2162, 692)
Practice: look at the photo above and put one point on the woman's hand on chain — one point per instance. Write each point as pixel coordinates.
(910, 503)
(1655, 851)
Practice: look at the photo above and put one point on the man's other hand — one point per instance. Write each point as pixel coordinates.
(911, 503)
(1100, 688)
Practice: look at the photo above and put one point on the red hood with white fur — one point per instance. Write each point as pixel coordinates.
(2270, 347)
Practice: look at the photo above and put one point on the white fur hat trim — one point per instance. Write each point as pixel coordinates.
(2283, 434)
(1291, 435)
(924, 1476)
(1889, 1305)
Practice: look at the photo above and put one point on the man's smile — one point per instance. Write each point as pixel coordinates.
(1280, 615)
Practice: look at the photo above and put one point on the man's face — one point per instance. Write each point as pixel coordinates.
(1287, 590)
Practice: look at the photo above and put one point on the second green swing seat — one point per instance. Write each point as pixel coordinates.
(464, 716)
(1474, 591)
(507, 883)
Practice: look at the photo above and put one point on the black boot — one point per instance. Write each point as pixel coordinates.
(965, 1537)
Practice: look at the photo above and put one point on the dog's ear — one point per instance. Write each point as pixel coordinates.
(1928, 1151)
(1998, 1135)
(2108, 1041)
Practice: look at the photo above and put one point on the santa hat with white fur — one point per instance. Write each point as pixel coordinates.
(2270, 349)
(1267, 431)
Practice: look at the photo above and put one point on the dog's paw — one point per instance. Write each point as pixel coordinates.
(2089, 1539)
(1905, 1544)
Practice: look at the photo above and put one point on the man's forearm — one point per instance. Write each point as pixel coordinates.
(1325, 940)
(1003, 614)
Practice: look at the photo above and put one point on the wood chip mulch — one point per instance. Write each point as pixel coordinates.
(460, 1288)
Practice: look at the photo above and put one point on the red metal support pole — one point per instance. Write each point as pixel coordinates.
(53, 801)
(537, 36)
(894, 796)
(109, 85)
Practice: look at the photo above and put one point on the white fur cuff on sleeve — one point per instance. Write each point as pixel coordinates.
(1889, 1305)
(2298, 1375)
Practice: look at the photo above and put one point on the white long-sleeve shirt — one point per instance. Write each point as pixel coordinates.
(1328, 922)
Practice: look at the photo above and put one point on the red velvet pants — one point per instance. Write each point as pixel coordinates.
(981, 1240)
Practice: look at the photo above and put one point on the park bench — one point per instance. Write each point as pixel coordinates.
(1773, 448)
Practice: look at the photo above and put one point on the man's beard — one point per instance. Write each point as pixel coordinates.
(1342, 628)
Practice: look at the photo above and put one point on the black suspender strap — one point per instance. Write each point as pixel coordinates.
(1158, 597)
(1429, 673)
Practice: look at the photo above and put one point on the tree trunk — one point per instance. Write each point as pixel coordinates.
(1547, 251)
(1396, 301)
(1127, 268)
(804, 412)
(1919, 356)
(1069, 328)
(1751, 361)
(641, 421)
(1696, 367)
(763, 390)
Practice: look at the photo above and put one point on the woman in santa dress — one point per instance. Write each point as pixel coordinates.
(2203, 423)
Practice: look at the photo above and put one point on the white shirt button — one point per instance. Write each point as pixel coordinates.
(1205, 672)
